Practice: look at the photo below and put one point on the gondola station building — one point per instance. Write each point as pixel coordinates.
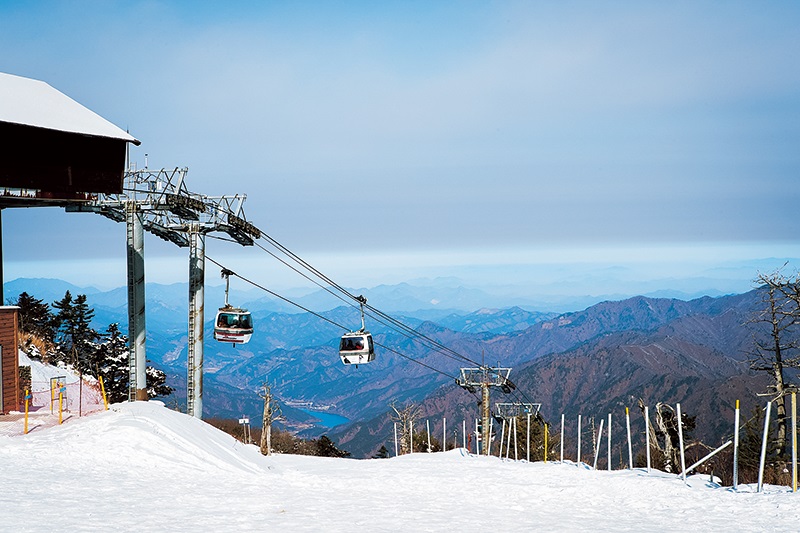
(53, 152)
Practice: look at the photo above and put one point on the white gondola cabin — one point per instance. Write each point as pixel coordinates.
(232, 324)
(357, 348)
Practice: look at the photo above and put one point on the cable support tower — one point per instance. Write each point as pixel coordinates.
(158, 201)
(343, 294)
(485, 377)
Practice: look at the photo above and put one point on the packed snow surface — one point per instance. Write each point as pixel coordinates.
(143, 467)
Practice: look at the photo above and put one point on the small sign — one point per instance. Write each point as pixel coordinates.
(244, 420)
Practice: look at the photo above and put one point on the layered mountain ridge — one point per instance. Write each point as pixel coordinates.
(597, 360)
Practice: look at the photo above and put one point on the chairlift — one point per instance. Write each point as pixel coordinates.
(232, 324)
(357, 347)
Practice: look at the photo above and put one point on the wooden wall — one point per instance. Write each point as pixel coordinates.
(9, 341)
(57, 161)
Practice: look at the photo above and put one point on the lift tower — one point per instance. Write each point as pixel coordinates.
(224, 214)
(158, 201)
(485, 377)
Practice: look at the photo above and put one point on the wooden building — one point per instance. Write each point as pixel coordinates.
(53, 152)
(51, 144)
(10, 396)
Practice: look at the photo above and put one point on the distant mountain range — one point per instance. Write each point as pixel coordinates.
(284, 334)
(605, 358)
(594, 361)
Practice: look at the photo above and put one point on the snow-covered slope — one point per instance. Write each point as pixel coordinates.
(142, 467)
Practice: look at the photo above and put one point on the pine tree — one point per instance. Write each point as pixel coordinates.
(537, 437)
(83, 336)
(63, 325)
(35, 317)
(110, 360)
(326, 448)
(36, 324)
(383, 453)
(75, 336)
(157, 383)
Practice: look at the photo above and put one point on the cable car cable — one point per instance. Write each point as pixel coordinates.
(309, 278)
(306, 276)
(287, 300)
(410, 332)
(414, 333)
(306, 265)
(253, 283)
(415, 360)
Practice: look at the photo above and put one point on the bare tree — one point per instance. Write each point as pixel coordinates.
(404, 417)
(664, 435)
(776, 342)
(272, 412)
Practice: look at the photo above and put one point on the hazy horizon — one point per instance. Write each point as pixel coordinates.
(569, 148)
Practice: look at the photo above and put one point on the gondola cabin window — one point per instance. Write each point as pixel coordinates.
(235, 320)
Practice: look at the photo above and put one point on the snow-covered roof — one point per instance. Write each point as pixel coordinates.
(35, 103)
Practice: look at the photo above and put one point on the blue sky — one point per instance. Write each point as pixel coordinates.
(527, 143)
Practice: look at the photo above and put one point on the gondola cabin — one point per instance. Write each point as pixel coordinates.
(357, 348)
(233, 325)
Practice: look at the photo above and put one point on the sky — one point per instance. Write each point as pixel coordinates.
(595, 147)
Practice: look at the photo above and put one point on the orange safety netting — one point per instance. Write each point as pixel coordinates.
(76, 397)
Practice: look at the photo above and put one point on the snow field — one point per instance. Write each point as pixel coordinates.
(141, 466)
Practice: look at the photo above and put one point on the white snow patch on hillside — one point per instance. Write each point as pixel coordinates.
(41, 373)
(143, 467)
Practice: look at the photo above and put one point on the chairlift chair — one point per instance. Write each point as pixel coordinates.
(357, 347)
(232, 324)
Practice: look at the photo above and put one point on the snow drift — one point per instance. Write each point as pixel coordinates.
(141, 466)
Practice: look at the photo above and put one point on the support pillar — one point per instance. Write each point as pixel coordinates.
(194, 381)
(487, 431)
(136, 324)
(2, 275)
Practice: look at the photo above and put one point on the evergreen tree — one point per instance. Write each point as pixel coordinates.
(537, 438)
(63, 326)
(110, 361)
(326, 448)
(36, 324)
(420, 439)
(383, 453)
(84, 336)
(75, 335)
(157, 383)
(35, 317)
